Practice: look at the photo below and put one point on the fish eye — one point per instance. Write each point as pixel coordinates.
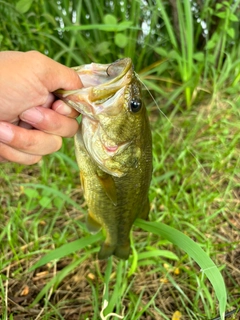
(135, 105)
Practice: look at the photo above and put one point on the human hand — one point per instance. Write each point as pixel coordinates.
(32, 122)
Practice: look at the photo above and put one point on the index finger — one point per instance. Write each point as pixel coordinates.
(54, 75)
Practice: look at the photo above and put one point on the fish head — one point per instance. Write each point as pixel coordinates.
(113, 115)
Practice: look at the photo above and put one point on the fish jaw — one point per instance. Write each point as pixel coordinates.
(100, 83)
(101, 149)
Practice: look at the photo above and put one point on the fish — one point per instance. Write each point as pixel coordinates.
(113, 148)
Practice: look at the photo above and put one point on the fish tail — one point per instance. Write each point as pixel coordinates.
(120, 251)
(106, 251)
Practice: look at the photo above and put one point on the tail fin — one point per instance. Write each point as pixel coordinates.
(120, 251)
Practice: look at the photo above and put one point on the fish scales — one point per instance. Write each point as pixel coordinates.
(113, 149)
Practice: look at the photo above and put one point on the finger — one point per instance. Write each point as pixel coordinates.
(55, 75)
(9, 154)
(50, 121)
(25, 125)
(33, 142)
(49, 101)
(62, 108)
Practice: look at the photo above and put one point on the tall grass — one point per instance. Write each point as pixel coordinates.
(187, 54)
(196, 39)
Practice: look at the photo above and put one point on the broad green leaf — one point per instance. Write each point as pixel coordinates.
(231, 32)
(45, 202)
(186, 244)
(199, 56)
(120, 40)
(219, 6)
(31, 193)
(233, 17)
(110, 19)
(23, 6)
(221, 15)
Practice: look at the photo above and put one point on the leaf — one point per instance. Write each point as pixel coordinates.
(199, 56)
(211, 44)
(219, 6)
(23, 6)
(103, 27)
(161, 51)
(207, 266)
(126, 25)
(110, 19)
(121, 40)
(45, 202)
(231, 33)
(67, 249)
(31, 193)
(221, 15)
(233, 17)
(157, 253)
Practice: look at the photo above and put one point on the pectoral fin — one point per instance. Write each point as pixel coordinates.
(108, 186)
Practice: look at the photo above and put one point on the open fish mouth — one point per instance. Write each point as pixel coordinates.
(103, 84)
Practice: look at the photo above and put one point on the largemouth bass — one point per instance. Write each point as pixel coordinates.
(113, 149)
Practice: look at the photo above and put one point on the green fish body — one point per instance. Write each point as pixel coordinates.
(113, 150)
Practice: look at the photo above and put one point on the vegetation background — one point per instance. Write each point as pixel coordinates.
(187, 54)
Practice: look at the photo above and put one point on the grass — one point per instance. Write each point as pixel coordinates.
(48, 260)
(195, 189)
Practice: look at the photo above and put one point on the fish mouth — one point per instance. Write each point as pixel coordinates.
(104, 76)
(103, 85)
(113, 150)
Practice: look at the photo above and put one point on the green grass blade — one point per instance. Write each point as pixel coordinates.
(55, 281)
(67, 249)
(195, 252)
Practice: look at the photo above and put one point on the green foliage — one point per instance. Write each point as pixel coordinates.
(194, 39)
(186, 53)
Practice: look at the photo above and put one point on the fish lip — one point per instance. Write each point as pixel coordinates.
(112, 78)
(116, 149)
(95, 68)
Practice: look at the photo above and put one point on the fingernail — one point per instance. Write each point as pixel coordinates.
(6, 133)
(63, 109)
(32, 116)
